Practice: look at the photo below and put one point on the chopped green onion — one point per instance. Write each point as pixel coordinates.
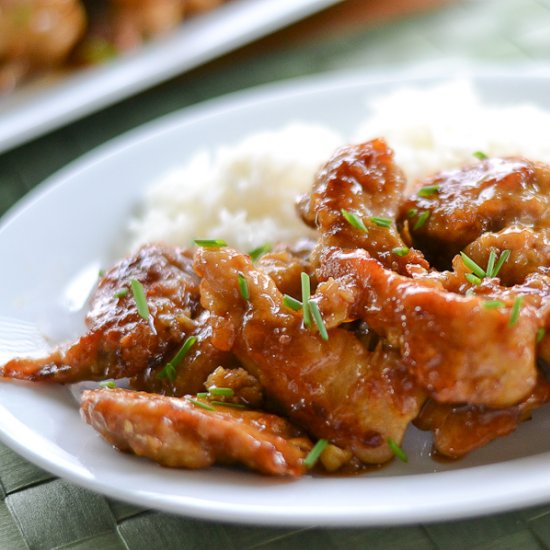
(412, 212)
(210, 243)
(540, 334)
(491, 263)
(381, 222)
(229, 404)
(260, 251)
(108, 384)
(514, 316)
(472, 266)
(472, 279)
(504, 255)
(480, 155)
(223, 392)
(318, 319)
(139, 297)
(243, 286)
(401, 250)
(428, 190)
(121, 292)
(292, 303)
(422, 219)
(101, 273)
(313, 455)
(397, 450)
(168, 371)
(201, 404)
(306, 294)
(354, 220)
(493, 304)
(202, 394)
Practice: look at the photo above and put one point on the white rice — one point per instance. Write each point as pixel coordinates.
(245, 193)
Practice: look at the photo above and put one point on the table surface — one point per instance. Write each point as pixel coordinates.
(38, 511)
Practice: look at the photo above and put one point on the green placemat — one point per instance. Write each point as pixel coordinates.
(38, 511)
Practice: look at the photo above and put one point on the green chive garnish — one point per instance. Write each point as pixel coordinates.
(401, 250)
(397, 450)
(514, 316)
(354, 220)
(306, 294)
(169, 371)
(201, 404)
(313, 455)
(202, 395)
(101, 273)
(222, 392)
(260, 251)
(224, 404)
(318, 319)
(540, 334)
(243, 286)
(491, 263)
(381, 222)
(504, 255)
(422, 219)
(121, 292)
(472, 266)
(292, 303)
(210, 243)
(472, 279)
(139, 297)
(108, 384)
(428, 190)
(480, 155)
(493, 304)
(412, 212)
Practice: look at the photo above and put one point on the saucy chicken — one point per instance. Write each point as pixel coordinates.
(430, 309)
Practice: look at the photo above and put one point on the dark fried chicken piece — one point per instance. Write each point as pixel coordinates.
(178, 433)
(529, 251)
(456, 348)
(335, 389)
(463, 204)
(36, 35)
(364, 181)
(459, 429)
(119, 342)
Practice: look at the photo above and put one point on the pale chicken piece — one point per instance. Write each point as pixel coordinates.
(179, 433)
(120, 342)
(336, 389)
(459, 348)
(459, 429)
(361, 181)
(35, 35)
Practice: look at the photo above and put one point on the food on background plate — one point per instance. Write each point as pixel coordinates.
(40, 35)
(319, 351)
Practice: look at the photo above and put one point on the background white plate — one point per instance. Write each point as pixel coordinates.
(52, 101)
(52, 246)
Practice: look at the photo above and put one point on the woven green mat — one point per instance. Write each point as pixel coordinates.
(38, 511)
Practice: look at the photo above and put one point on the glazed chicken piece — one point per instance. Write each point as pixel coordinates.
(529, 251)
(178, 433)
(459, 429)
(363, 181)
(120, 342)
(35, 35)
(454, 208)
(456, 348)
(335, 388)
(245, 387)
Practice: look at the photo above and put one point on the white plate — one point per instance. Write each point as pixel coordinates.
(52, 101)
(52, 245)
